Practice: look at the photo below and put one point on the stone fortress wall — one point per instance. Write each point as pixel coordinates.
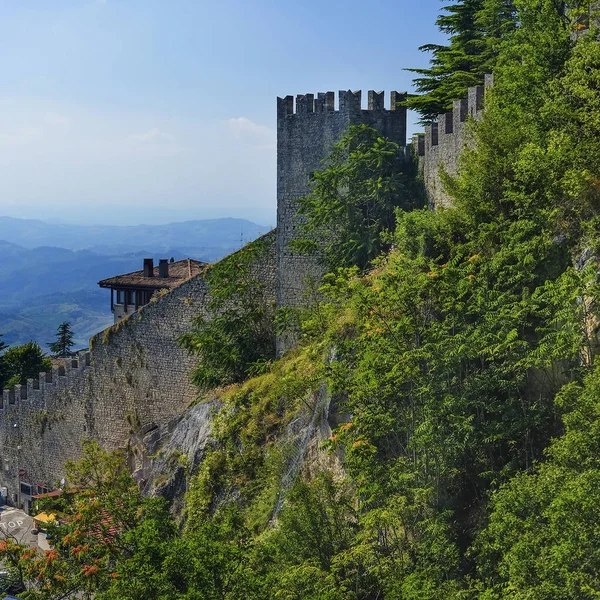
(445, 140)
(134, 381)
(304, 138)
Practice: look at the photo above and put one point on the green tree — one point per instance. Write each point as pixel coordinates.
(25, 362)
(353, 199)
(110, 532)
(236, 337)
(541, 538)
(475, 30)
(3, 365)
(61, 348)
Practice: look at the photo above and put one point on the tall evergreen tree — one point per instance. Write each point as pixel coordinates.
(475, 29)
(62, 347)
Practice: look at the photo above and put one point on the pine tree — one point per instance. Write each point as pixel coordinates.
(61, 348)
(475, 29)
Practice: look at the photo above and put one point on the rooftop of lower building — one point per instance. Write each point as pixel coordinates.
(154, 277)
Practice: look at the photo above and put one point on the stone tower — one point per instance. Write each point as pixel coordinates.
(304, 138)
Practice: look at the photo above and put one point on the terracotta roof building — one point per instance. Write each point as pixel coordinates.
(130, 291)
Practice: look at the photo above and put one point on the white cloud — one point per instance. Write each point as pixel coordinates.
(259, 136)
(155, 141)
(152, 136)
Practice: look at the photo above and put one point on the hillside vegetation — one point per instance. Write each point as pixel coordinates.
(457, 370)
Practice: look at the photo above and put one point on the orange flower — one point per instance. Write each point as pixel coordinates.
(60, 578)
(359, 443)
(333, 438)
(89, 570)
(474, 257)
(444, 265)
(51, 555)
(114, 575)
(346, 426)
(432, 274)
(470, 276)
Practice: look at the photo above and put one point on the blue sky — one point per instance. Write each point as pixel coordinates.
(131, 111)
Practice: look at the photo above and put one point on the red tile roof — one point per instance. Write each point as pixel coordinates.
(179, 272)
(53, 494)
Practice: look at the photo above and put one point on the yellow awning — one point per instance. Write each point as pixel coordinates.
(45, 518)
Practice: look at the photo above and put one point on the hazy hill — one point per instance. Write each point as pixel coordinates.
(49, 273)
(211, 237)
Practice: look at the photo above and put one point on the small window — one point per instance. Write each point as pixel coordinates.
(120, 296)
(132, 296)
(26, 489)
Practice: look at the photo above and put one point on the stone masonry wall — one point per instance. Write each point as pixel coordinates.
(135, 378)
(304, 138)
(444, 142)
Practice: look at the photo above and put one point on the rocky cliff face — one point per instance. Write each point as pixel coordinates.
(164, 464)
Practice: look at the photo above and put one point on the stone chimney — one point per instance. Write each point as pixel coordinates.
(148, 267)
(163, 268)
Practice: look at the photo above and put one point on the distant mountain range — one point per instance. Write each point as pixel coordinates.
(210, 237)
(49, 272)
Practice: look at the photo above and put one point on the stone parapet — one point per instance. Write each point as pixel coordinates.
(445, 139)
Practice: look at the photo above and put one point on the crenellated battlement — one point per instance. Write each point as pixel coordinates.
(444, 140)
(348, 102)
(58, 377)
(449, 123)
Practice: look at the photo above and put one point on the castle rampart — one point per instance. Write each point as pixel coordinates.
(445, 140)
(136, 378)
(135, 381)
(304, 138)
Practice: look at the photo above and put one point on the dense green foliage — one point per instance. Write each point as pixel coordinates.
(19, 363)
(436, 433)
(62, 347)
(235, 337)
(464, 361)
(353, 197)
